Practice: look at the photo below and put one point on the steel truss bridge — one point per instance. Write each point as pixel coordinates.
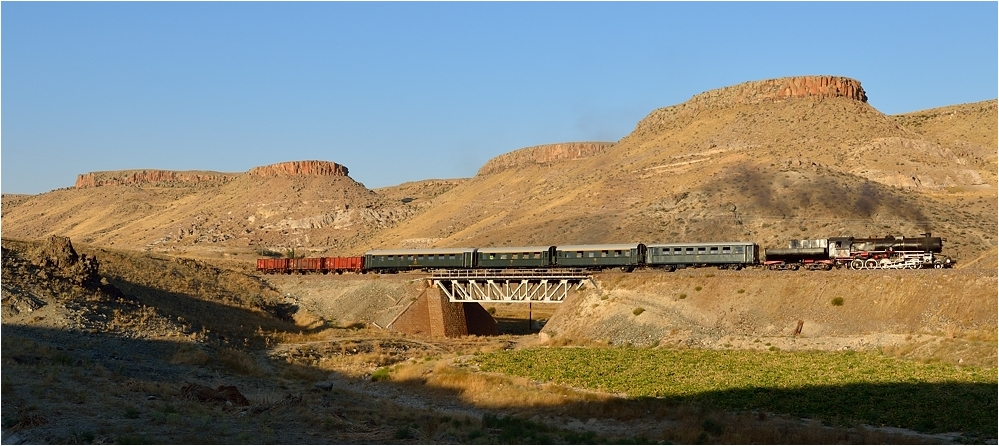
(509, 285)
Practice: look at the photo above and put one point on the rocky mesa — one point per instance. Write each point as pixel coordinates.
(544, 154)
(154, 177)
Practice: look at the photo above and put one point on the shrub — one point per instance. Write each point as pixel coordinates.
(741, 291)
(238, 361)
(132, 413)
(381, 374)
(697, 288)
(837, 301)
(403, 432)
(713, 427)
(638, 311)
(683, 295)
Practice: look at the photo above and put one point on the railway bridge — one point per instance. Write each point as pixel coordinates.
(450, 306)
(504, 285)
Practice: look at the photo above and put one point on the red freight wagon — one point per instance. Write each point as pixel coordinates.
(341, 264)
(306, 264)
(272, 265)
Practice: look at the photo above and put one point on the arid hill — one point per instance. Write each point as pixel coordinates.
(764, 161)
(310, 204)
(767, 161)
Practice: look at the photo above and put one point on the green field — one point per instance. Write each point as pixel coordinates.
(843, 388)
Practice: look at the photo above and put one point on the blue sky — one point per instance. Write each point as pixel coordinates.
(408, 91)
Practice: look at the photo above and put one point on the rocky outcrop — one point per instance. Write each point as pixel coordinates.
(544, 154)
(152, 177)
(799, 88)
(772, 90)
(320, 168)
(57, 257)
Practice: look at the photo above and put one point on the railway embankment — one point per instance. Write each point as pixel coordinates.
(929, 315)
(936, 315)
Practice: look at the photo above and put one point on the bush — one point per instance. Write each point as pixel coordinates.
(638, 311)
(697, 288)
(741, 291)
(403, 433)
(683, 295)
(238, 361)
(837, 301)
(381, 374)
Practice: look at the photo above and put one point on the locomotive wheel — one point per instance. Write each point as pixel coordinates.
(871, 264)
(938, 265)
(857, 264)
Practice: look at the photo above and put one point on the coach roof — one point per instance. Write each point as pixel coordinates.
(598, 247)
(505, 250)
(407, 252)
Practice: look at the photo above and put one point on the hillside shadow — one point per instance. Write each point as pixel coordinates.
(220, 324)
(517, 326)
(968, 409)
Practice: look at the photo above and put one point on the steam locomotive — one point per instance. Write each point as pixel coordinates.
(817, 254)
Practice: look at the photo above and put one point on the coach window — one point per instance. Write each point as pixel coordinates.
(690, 251)
(579, 254)
(492, 256)
(603, 253)
(726, 249)
(451, 256)
(383, 258)
(411, 257)
(591, 254)
(502, 256)
(714, 250)
(700, 251)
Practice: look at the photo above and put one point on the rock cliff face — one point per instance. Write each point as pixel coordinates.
(544, 154)
(140, 177)
(800, 88)
(204, 178)
(773, 90)
(320, 168)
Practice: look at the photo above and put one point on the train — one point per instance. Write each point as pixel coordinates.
(814, 254)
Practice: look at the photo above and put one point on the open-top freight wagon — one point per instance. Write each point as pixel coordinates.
(303, 265)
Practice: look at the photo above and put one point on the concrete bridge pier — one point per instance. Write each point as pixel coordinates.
(432, 314)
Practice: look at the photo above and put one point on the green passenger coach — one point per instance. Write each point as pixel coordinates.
(724, 255)
(522, 257)
(600, 256)
(407, 259)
